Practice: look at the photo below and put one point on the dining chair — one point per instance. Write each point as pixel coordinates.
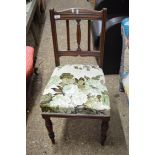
(77, 90)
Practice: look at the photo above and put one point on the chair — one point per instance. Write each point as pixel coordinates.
(76, 91)
(29, 61)
(29, 71)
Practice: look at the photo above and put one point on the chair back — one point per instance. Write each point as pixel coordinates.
(78, 14)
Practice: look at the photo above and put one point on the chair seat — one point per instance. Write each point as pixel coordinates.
(76, 89)
(29, 61)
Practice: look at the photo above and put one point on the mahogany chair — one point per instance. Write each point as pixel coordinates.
(76, 91)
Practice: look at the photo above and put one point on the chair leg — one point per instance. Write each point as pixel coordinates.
(104, 129)
(49, 126)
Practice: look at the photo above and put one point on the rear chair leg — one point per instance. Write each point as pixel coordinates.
(49, 126)
(104, 129)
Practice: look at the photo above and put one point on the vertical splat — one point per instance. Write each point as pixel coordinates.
(89, 36)
(68, 36)
(78, 34)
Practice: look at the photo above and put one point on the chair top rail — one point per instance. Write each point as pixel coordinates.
(78, 13)
(81, 10)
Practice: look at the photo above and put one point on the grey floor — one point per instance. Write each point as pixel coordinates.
(73, 137)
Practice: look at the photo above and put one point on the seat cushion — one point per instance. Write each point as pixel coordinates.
(29, 61)
(76, 89)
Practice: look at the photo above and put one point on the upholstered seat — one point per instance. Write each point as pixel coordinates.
(76, 89)
(29, 61)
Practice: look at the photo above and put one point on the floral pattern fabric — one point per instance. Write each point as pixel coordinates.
(76, 89)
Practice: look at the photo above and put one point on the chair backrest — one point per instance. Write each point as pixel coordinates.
(78, 14)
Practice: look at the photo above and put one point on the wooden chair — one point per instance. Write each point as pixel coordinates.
(77, 91)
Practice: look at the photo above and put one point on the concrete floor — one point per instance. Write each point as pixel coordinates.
(73, 137)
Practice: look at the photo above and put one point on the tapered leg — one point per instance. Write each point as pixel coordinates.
(104, 129)
(49, 127)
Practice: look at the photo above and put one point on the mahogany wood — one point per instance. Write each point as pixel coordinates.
(54, 33)
(89, 36)
(77, 14)
(49, 126)
(68, 35)
(104, 128)
(102, 39)
(78, 34)
(77, 53)
(105, 118)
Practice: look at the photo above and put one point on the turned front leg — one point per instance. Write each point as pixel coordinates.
(104, 129)
(49, 126)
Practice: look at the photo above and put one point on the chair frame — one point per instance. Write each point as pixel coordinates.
(77, 14)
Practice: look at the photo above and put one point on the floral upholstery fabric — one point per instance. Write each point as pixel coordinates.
(76, 89)
(124, 68)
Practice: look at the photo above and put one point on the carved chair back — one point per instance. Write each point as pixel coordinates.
(78, 14)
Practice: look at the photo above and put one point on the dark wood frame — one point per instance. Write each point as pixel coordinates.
(78, 15)
(81, 14)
